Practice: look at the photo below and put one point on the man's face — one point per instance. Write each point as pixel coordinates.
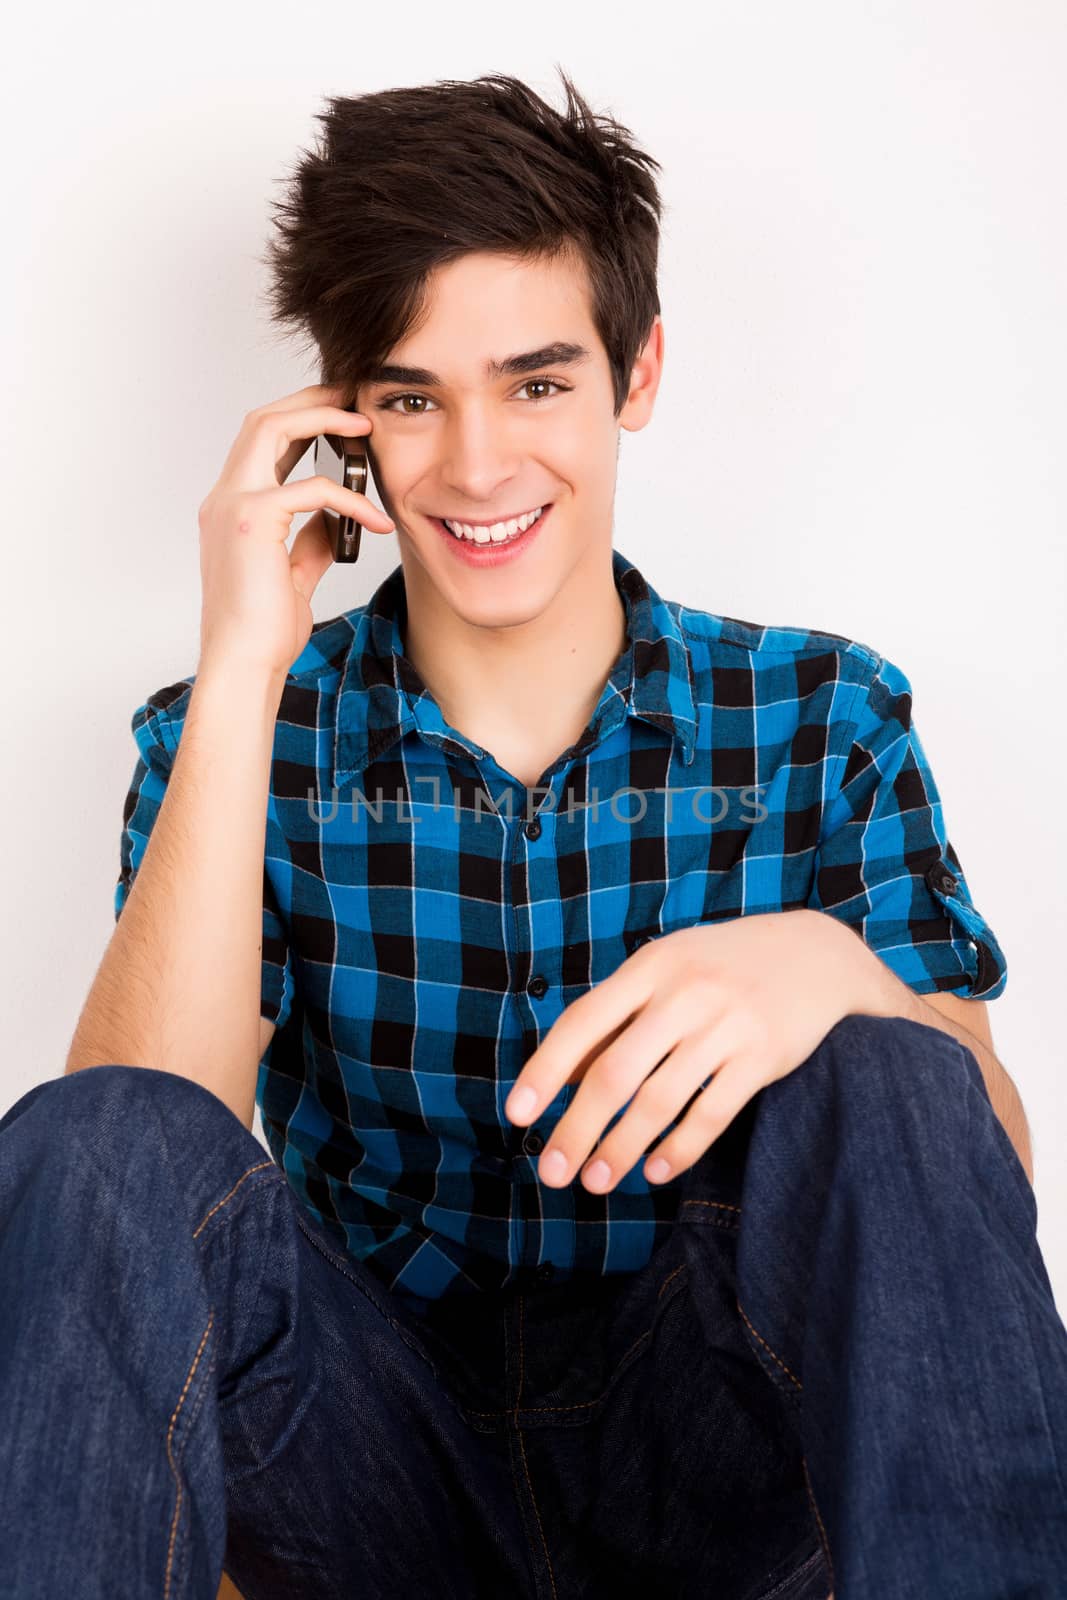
(476, 446)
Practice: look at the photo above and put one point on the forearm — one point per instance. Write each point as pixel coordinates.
(179, 984)
(881, 993)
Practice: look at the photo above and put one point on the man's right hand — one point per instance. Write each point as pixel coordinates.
(256, 595)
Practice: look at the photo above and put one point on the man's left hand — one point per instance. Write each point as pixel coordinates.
(738, 1003)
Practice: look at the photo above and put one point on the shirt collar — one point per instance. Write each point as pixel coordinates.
(382, 696)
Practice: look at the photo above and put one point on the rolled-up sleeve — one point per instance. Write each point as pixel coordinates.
(157, 735)
(885, 864)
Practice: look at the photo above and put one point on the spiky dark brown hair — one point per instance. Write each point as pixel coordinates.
(405, 180)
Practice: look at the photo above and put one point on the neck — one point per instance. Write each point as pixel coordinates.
(534, 680)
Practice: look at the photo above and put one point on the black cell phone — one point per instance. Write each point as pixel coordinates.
(347, 462)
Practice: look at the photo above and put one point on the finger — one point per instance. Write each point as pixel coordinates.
(577, 1038)
(272, 441)
(607, 1087)
(237, 469)
(311, 555)
(281, 439)
(710, 1114)
(313, 494)
(660, 1099)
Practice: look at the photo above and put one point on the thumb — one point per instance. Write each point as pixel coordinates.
(311, 555)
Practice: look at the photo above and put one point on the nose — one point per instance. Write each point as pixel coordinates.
(480, 460)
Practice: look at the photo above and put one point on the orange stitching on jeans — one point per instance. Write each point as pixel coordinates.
(664, 1284)
(525, 1465)
(721, 1204)
(767, 1347)
(232, 1192)
(170, 1455)
(807, 1478)
(822, 1530)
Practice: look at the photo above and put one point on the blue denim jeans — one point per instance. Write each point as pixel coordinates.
(844, 1369)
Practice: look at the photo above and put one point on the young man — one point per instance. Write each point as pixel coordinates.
(648, 1212)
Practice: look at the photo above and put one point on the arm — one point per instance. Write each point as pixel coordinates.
(179, 984)
(882, 994)
(887, 872)
(179, 988)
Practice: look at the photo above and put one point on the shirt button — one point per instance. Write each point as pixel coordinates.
(941, 878)
(545, 1271)
(533, 1144)
(533, 828)
(537, 986)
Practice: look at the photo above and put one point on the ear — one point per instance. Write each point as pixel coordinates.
(644, 381)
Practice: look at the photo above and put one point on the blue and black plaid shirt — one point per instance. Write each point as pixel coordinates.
(426, 919)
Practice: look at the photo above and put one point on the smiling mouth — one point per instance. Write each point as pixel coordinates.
(487, 541)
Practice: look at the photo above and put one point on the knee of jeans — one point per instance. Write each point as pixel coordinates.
(94, 1091)
(871, 1056)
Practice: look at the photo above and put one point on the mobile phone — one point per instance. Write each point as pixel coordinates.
(347, 462)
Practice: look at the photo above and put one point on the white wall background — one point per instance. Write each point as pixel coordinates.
(860, 426)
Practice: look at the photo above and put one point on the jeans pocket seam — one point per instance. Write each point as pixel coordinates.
(278, 1179)
(175, 1458)
(775, 1373)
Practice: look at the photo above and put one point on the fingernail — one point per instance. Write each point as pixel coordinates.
(521, 1103)
(657, 1170)
(553, 1164)
(598, 1176)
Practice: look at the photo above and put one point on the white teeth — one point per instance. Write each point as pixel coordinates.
(497, 533)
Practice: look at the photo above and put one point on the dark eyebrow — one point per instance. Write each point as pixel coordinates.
(560, 354)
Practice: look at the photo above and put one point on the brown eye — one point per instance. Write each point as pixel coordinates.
(544, 383)
(389, 404)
